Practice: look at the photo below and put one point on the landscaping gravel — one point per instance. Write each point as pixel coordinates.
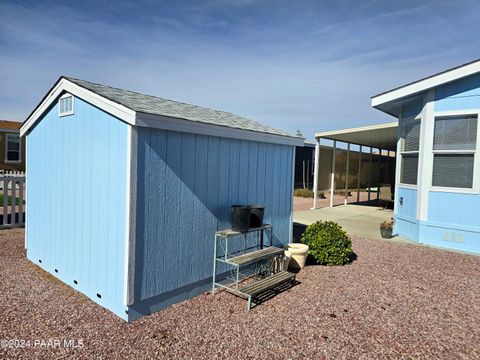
(395, 300)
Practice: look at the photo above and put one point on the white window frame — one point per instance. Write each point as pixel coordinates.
(476, 160)
(7, 135)
(402, 152)
(66, 113)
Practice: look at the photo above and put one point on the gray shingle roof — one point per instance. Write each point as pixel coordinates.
(158, 106)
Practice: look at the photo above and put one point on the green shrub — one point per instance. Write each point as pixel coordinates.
(329, 243)
(305, 193)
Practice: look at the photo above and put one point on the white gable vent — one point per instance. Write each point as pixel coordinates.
(65, 105)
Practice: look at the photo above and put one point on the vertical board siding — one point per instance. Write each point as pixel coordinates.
(409, 207)
(459, 95)
(179, 212)
(76, 199)
(454, 208)
(406, 224)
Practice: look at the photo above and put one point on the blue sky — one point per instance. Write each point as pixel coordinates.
(311, 65)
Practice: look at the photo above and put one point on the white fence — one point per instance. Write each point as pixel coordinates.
(12, 200)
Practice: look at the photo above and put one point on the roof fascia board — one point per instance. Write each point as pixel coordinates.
(196, 127)
(384, 147)
(426, 84)
(111, 107)
(356, 130)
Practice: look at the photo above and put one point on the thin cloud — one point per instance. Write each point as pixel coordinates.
(305, 64)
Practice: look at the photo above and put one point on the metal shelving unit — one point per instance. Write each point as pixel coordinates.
(263, 260)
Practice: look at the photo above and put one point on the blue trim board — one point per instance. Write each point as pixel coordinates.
(406, 227)
(446, 238)
(162, 301)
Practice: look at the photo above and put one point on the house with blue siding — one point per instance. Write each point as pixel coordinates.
(437, 198)
(126, 191)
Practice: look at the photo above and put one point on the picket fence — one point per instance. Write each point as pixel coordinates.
(12, 200)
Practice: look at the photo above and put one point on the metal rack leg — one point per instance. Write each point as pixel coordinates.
(249, 303)
(214, 264)
(238, 271)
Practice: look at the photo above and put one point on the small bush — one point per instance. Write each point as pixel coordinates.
(329, 243)
(305, 193)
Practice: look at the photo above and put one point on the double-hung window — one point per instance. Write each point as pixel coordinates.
(12, 144)
(410, 135)
(454, 146)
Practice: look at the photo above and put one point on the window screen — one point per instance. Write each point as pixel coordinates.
(455, 133)
(453, 170)
(411, 135)
(409, 171)
(454, 145)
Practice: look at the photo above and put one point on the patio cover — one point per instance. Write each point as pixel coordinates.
(381, 136)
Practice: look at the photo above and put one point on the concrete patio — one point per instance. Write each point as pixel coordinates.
(358, 220)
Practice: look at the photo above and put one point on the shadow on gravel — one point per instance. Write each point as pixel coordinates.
(267, 295)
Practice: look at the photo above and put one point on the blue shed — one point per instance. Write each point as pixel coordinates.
(437, 200)
(125, 191)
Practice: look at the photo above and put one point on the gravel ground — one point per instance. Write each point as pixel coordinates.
(394, 301)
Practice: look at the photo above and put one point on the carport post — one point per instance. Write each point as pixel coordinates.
(370, 173)
(379, 170)
(332, 180)
(388, 167)
(359, 173)
(315, 173)
(346, 174)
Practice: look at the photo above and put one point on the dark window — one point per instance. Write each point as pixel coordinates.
(454, 145)
(13, 148)
(409, 172)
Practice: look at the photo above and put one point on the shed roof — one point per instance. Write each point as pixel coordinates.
(159, 106)
(135, 105)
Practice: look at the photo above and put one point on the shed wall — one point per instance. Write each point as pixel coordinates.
(76, 186)
(186, 185)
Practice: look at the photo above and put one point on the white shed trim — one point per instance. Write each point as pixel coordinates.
(150, 120)
(196, 127)
(130, 215)
(63, 85)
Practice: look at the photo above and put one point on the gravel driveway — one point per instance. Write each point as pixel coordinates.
(395, 300)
